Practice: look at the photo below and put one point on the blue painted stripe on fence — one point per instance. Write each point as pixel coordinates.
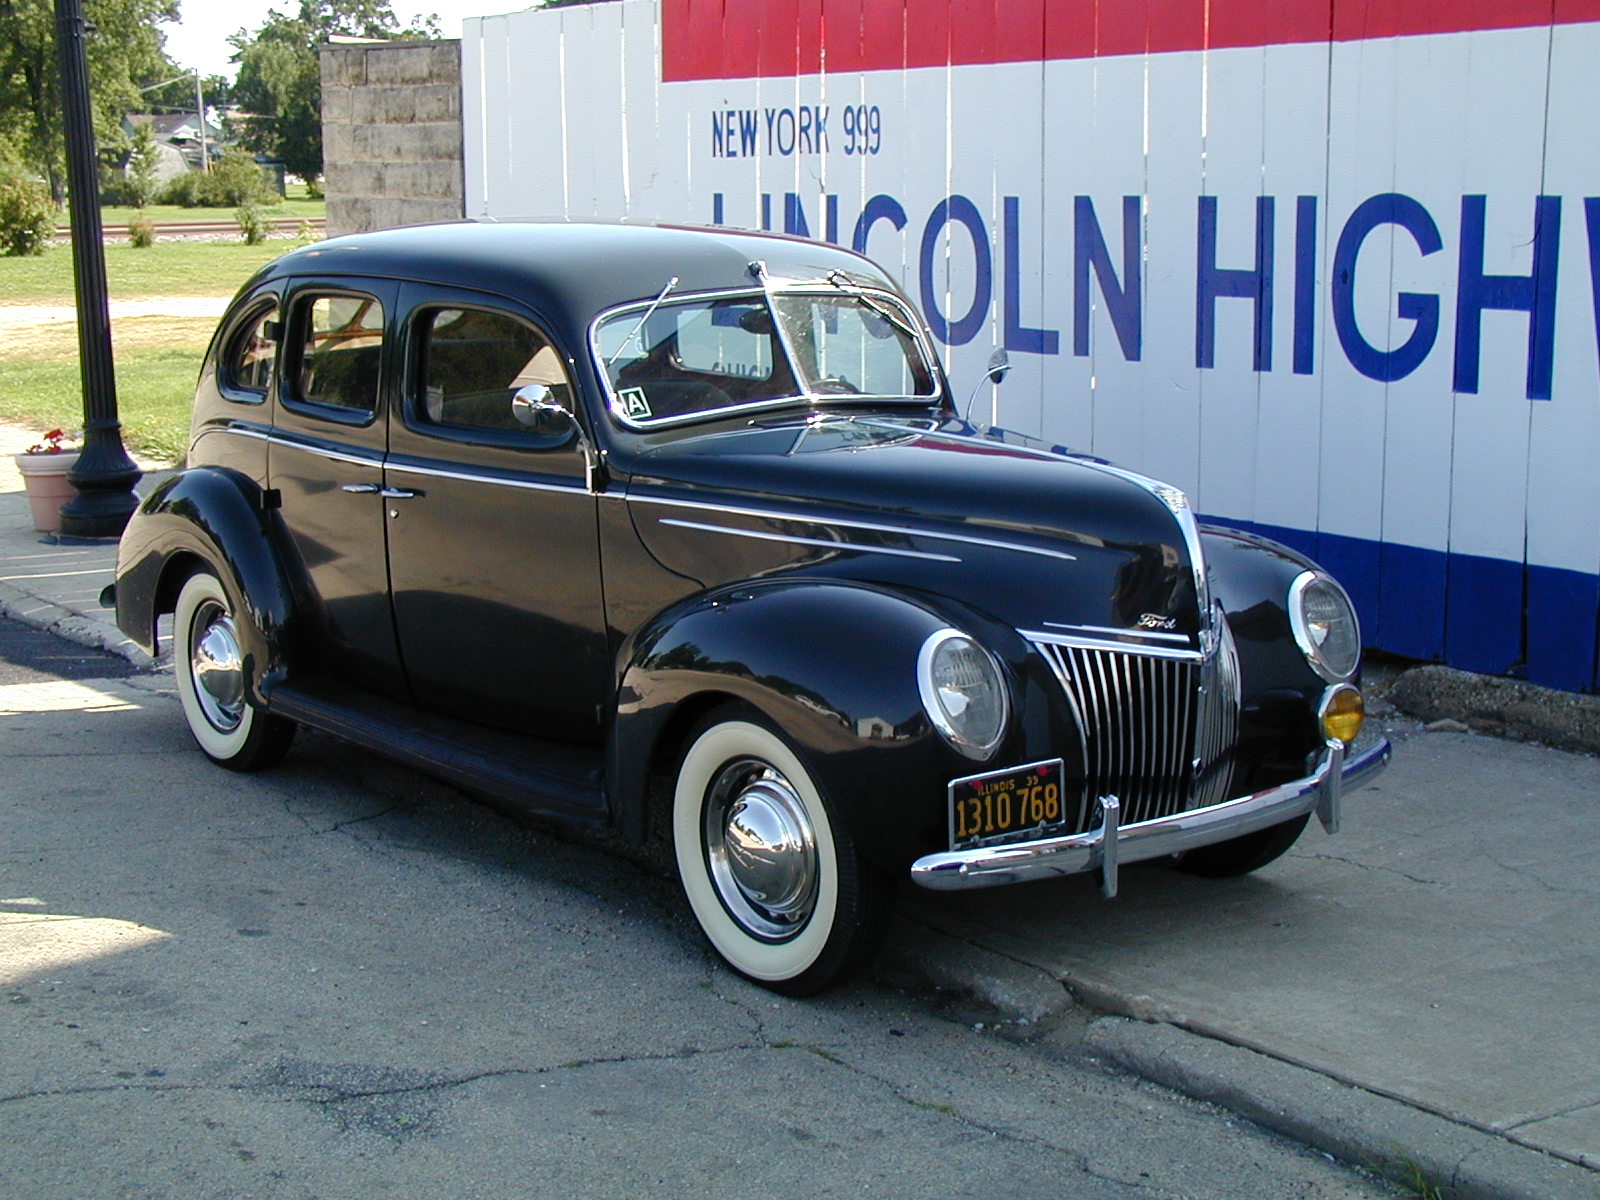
(1476, 613)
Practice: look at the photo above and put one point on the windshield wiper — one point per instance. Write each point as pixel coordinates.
(648, 313)
(845, 284)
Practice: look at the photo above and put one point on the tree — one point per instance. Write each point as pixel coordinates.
(280, 77)
(124, 50)
(142, 181)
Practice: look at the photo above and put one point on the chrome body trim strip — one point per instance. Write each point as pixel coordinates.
(476, 477)
(1337, 772)
(813, 519)
(759, 536)
(1143, 634)
(1085, 643)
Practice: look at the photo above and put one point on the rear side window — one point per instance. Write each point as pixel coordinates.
(247, 359)
(339, 351)
(473, 363)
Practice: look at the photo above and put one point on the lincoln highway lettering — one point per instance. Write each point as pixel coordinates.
(1109, 271)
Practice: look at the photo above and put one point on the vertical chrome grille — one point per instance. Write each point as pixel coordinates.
(1155, 729)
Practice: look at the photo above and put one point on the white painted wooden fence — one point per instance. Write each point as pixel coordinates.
(1333, 268)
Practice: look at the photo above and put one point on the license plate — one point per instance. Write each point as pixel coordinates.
(1015, 805)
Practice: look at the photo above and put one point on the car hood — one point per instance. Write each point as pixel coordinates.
(1042, 540)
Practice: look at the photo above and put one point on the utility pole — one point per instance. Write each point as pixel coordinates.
(104, 474)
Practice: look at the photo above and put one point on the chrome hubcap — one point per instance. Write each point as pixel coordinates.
(761, 849)
(217, 666)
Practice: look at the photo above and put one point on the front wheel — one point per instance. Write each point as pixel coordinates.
(773, 879)
(1241, 855)
(210, 664)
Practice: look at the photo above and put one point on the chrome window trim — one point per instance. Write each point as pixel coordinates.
(810, 519)
(792, 287)
(760, 536)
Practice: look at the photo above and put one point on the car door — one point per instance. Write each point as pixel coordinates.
(325, 464)
(494, 561)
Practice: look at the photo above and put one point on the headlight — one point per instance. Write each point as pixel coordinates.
(1324, 624)
(963, 693)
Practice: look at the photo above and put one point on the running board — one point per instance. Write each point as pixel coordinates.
(531, 775)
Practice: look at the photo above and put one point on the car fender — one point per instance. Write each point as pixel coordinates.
(225, 521)
(831, 664)
(1280, 691)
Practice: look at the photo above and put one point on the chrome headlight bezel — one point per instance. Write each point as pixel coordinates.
(1331, 646)
(975, 742)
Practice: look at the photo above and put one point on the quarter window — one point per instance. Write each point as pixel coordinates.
(340, 352)
(473, 363)
(247, 362)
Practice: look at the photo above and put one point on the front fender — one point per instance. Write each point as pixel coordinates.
(1250, 577)
(831, 664)
(224, 521)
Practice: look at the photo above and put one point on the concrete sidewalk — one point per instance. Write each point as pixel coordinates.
(1421, 991)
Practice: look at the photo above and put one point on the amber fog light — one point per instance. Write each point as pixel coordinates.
(1343, 712)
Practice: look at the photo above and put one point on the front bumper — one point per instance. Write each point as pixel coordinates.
(1338, 770)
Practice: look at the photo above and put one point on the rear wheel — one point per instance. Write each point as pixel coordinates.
(773, 879)
(210, 664)
(1241, 855)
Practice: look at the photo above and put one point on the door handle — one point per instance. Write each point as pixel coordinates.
(372, 489)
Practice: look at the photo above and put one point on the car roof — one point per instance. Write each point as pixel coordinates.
(572, 270)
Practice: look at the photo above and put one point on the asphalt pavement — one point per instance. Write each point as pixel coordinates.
(1419, 993)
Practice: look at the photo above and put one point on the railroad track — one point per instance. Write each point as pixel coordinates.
(219, 228)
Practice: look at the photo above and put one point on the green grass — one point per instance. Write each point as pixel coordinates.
(157, 359)
(154, 391)
(165, 269)
(301, 209)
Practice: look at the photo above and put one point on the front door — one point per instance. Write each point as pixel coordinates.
(494, 563)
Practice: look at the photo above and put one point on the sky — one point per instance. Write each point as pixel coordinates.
(199, 40)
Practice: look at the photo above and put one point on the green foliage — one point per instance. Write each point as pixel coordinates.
(142, 232)
(234, 180)
(141, 173)
(280, 76)
(27, 214)
(124, 51)
(254, 223)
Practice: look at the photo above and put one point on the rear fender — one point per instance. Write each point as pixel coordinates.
(220, 520)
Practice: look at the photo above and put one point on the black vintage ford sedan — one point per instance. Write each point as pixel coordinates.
(560, 512)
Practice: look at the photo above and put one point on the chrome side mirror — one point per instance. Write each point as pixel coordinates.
(999, 367)
(534, 408)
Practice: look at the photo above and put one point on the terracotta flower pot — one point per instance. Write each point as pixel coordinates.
(45, 477)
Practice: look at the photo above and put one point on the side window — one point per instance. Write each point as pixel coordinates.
(339, 347)
(247, 358)
(473, 362)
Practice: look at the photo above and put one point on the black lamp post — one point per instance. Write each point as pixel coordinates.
(104, 475)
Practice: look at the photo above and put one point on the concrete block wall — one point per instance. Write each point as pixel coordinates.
(391, 134)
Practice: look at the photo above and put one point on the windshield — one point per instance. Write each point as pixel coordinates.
(687, 358)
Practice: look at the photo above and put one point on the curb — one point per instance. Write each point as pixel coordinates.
(1387, 1136)
(1503, 707)
(72, 626)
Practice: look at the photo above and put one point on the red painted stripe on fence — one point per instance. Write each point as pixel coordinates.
(742, 39)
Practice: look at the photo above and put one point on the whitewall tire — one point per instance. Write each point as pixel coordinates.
(772, 877)
(210, 663)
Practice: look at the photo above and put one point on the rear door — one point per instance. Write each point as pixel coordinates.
(325, 460)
